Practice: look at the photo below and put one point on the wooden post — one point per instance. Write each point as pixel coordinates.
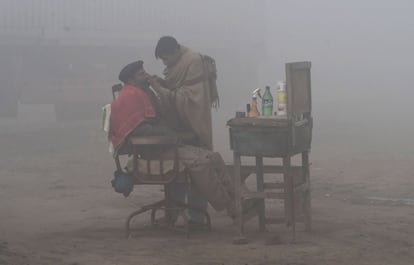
(289, 193)
(260, 188)
(237, 192)
(307, 193)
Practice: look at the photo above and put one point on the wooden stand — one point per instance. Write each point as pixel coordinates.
(277, 137)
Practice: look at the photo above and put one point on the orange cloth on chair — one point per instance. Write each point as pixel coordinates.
(132, 107)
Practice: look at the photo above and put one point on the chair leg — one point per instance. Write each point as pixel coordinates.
(153, 212)
(138, 212)
(208, 221)
(129, 218)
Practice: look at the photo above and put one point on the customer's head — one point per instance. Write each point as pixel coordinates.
(167, 50)
(134, 74)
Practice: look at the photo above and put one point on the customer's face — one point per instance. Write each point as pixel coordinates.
(141, 78)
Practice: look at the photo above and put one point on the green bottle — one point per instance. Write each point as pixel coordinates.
(267, 103)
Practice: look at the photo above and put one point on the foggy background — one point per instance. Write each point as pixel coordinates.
(362, 55)
(60, 58)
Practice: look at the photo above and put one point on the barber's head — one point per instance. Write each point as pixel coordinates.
(167, 50)
(134, 74)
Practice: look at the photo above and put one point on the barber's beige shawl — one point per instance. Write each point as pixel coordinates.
(186, 97)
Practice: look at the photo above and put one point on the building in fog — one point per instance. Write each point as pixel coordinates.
(68, 53)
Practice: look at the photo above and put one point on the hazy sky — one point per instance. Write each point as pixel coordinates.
(359, 47)
(362, 54)
(361, 51)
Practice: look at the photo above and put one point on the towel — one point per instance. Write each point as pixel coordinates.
(106, 124)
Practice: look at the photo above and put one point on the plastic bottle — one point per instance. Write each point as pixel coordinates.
(254, 112)
(267, 103)
(281, 99)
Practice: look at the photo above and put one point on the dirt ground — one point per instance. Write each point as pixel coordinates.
(58, 207)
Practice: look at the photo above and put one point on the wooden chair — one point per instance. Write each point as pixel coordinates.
(150, 149)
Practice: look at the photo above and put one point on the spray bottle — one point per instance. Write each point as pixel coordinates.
(254, 112)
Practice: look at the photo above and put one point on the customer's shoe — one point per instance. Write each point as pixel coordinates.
(163, 221)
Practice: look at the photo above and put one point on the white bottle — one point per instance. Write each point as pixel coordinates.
(281, 99)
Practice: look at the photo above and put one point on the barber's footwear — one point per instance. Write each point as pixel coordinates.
(249, 206)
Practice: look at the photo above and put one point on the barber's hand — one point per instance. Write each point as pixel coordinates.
(154, 82)
(156, 77)
(160, 80)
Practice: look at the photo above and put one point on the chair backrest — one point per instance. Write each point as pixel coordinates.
(115, 90)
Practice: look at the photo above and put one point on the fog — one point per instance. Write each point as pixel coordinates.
(361, 53)
(60, 58)
(362, 58)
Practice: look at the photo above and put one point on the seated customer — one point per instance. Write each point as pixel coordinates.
(134, 113)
